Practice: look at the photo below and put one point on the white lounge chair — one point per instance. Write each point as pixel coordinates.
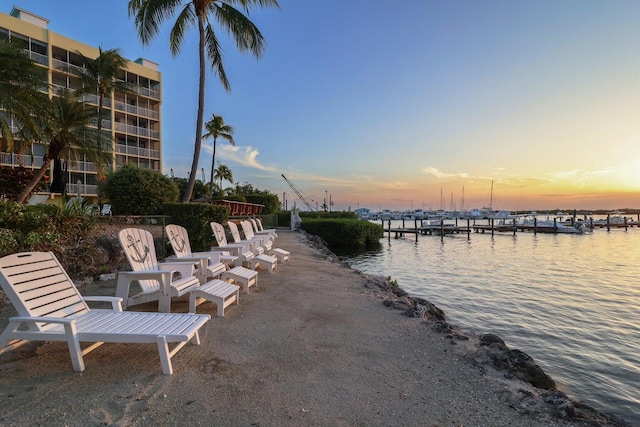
(257, 232)
(106, 209)
(260, 243)
(280, 254)
(37, 199)
(50, 308)
(257, 223)
(242, 250)
(156, 280)
(209, 263)
(260, 246)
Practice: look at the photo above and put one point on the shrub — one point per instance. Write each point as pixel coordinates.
(195, 217)
(343, 232)
(270, 202)
(135, 191)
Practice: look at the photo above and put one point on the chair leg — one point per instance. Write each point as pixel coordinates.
(165, 358)
(74, 347)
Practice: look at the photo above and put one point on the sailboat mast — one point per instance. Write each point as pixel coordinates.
(491, 197)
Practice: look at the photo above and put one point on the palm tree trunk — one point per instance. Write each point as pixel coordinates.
(37, 176)
(200, 120)
(213, 167)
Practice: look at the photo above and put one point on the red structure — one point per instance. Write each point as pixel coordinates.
(241, 208)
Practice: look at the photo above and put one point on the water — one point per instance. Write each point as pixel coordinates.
(572, 302)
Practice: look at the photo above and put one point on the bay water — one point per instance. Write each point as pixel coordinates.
(572, 302)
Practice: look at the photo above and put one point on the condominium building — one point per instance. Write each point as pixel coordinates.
(133, 118)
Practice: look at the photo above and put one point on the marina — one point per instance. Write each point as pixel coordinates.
(444, 225)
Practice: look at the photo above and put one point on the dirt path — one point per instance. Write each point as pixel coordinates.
(310, 346)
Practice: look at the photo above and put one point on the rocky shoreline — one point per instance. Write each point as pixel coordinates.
(489, 354)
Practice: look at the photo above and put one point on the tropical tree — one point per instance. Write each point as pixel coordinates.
(223, 173)
(101, 76)
(151, 14)
(67, 123)
(20, 79)
(216, 128)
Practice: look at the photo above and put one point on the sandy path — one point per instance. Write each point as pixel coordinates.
(310, 346)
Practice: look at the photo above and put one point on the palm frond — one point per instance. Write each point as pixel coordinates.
(245, 33)
(185, 20)
(214, 53)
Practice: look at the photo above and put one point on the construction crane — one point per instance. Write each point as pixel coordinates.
(299, 194)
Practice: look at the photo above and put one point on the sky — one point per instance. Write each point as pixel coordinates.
(413, 104)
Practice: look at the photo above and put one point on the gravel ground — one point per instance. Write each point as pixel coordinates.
(311, 346)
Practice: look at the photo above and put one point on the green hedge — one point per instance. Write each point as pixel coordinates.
(343, 232)
(195, 217)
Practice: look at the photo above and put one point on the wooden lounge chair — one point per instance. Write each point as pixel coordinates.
(280, 254)
(209, 263)
(156, 280)
(256, 231)
(50, 308)
(260, 246)
(242, 250)
(257, 222)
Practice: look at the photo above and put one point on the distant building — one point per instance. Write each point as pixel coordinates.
(133, 119)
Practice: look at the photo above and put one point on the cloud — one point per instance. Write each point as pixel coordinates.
(242, 155)
(430, 170)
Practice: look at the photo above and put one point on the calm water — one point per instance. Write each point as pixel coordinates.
(572, 302)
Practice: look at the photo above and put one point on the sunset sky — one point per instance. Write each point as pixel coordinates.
(391, 104)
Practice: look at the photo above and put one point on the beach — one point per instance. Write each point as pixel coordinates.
(316, 343)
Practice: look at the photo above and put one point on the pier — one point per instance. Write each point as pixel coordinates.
(492, 226)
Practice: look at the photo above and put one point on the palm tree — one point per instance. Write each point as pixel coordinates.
(223, 173)
(216, 128)
(67, 123)
(20, 79)
(150, 14)
(101, 75)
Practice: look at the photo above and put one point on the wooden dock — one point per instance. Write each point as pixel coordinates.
(493, 226)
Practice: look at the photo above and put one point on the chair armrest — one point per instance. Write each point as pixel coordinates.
(126, 277)
(213, 257)
(186, 268)
(61, 320)
(116, 302)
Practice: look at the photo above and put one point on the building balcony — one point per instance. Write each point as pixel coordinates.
(67, 67)
(144, 91)
(83, 189)
(26, 160)
(79, 166)
(38, 57)
(132, 109)
(95, 99)
(135, 130)
(139, 152)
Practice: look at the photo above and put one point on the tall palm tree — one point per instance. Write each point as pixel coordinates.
(223, 173)
(67, 123)
(216, 128)
(20, 79)
(101, 76)
(150, 14)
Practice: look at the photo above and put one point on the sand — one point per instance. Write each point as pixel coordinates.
(310, 346)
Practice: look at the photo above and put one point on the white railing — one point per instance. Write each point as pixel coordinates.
(135, 130)
(80, 166)
(144, 112)
(85, 189)
(151, 93)
(95, 99)
(135, 151)
(38, 57)
(21, 160)
(66, 67)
